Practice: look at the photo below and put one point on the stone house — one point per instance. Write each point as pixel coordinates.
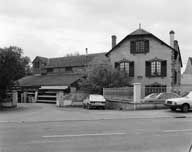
(51, 75)
(148, 60)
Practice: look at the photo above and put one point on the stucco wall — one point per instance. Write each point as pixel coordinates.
(157, 50)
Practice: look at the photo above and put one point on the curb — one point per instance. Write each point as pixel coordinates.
(96, 119)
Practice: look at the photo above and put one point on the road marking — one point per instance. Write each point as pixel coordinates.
(183, 130)
(84, 135)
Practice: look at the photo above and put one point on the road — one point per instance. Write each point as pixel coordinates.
(115, 135)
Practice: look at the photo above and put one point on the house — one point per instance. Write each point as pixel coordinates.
(186, 78)
(143, 56)
(148, 60)
(51, 75)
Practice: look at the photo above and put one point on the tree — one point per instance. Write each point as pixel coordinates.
(12, 67)
(101, 74)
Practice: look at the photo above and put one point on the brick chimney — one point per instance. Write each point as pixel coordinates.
(113, 40)
(172, 33)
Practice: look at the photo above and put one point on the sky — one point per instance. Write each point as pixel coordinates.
(54, 28)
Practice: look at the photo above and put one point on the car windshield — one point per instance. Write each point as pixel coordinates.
(153, 95)
(187, 94)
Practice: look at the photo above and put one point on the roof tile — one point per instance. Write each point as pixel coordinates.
(58, 79)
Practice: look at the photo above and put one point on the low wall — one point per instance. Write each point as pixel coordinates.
(8, 104)
(116, 94)
(125, 105)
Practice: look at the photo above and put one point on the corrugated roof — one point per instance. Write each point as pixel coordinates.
(58, 79)
(80, 60)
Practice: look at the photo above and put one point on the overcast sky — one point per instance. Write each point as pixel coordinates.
(53, 28)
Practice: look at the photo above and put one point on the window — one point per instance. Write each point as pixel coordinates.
(68, 69)
(156, 68)
(139, 46)
(50, 70)
(124, 66)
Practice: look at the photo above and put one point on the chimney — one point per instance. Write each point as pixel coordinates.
(113, 40)
(171, 33)
(86, 51)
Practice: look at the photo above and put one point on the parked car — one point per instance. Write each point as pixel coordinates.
(159, 97)
(94, 100)
(184, 103)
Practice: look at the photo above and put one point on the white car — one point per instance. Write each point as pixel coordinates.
(94, 100)
(184, 103)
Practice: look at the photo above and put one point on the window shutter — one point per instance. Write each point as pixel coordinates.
(131, 69)
(146, 46)
(133, 47)
(147, 69)
(164, 68)
(117, 65)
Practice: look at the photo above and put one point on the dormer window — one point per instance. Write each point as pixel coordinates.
(139, 46)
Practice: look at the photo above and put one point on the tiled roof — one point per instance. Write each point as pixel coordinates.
(139, 32)
(59, 79)
(80, 60)
(43, 59)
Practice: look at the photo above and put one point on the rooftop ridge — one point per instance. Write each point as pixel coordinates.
(140, 31)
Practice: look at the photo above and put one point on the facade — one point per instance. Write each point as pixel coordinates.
(148, 60)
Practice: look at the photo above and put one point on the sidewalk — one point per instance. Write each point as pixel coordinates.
(37, 112)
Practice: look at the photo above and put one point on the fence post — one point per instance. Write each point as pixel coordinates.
(136, 93)
(25, 97)
(36, 96)
(59, 98)
(15, 97)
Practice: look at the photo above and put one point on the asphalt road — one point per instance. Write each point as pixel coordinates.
(134, 135)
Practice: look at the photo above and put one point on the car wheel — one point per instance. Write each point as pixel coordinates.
(185, 108)
(173, 109)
